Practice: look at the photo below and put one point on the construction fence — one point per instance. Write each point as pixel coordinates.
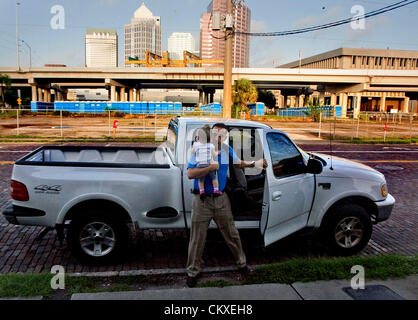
(60, 124)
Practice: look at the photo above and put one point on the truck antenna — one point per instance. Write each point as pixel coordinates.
(330, 140)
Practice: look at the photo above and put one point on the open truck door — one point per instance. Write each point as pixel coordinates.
(289, 189)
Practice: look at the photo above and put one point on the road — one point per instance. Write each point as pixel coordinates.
(20, 251)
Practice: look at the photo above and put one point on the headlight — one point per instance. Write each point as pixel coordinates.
(384, 191)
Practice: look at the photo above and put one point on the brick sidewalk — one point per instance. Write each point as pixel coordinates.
(21, 252)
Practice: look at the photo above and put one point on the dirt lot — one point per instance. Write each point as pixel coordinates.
(100, 126)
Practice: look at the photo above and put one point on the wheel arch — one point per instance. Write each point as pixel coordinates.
(109, 205)
(362, 201)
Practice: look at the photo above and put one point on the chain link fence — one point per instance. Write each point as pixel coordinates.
(22, 123)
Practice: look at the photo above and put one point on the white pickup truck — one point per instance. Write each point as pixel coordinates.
(95, 192)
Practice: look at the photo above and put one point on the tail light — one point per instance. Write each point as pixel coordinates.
(19, 191)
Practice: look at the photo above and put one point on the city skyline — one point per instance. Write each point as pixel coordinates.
(101, 48)
(142, 34)
(179, 42)
(66, 46)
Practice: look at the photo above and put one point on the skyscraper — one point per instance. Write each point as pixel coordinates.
(179, 42)
(212, 43)
(101, 48)
(142, 34)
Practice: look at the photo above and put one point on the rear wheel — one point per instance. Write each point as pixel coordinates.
(347, 230)
(98, 238)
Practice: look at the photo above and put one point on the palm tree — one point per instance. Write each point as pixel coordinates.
(243, 92)
(5, 83)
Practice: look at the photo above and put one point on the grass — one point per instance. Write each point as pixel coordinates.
(302, 269)
(388, 140)
(38, 284)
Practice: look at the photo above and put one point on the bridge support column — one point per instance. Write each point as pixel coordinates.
(206, 97)
(112, 93)
(405, 105)
(284, 104)
(343, 103)
(137, 95)
(322, 98)
(131, 95)
(40, 96)
(34, 93)
(357, 105)
(300, 100)
(333, 99)
(200, 97)
(382, 104)
(122, 94)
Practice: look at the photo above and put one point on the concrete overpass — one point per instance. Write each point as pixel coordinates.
(348, 85)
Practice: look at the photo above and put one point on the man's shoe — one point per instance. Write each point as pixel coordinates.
(202, 196)
(244, 271)
(191, 281)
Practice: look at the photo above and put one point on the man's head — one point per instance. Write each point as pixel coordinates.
(219, 132)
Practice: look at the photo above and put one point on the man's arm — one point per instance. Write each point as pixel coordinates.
(195, 173)
(262, 163)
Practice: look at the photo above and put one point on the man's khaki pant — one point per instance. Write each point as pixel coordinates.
(218, 209)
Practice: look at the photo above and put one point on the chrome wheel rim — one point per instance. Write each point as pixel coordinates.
(97, 239)
(349, 232)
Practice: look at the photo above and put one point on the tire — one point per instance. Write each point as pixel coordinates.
(347, 230)
(98, 238)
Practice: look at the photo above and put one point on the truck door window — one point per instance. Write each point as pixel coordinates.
(172, 136)
(285, 158)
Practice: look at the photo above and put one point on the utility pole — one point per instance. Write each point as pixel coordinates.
(17, 36)
(229, 31)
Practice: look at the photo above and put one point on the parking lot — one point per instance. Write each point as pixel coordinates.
(21, 251)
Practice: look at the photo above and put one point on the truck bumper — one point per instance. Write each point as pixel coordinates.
(12, 213)
(384, 208)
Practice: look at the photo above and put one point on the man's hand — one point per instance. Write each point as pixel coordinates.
(261, 164)
(195, 173)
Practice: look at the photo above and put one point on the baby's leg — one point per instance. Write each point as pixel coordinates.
(201, 185)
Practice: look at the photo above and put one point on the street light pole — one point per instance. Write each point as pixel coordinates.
(228, 64)
(17, 36)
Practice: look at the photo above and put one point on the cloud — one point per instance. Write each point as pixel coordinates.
(258, 26)
(371, 25)
(329, 15)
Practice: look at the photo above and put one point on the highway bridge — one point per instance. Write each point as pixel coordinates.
(347, 87)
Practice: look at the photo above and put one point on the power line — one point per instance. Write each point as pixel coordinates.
(331, 24)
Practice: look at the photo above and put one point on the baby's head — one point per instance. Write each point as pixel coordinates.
(203, 134)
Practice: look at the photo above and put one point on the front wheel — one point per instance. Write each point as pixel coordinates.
(347, 230)
(98, 238)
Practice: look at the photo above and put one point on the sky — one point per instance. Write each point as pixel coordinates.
(393, 30)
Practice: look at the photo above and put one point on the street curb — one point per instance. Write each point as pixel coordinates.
(147, 272)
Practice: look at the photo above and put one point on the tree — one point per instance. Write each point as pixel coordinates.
(314, 109)
(243, 92)
(267, 97)
(5, 84)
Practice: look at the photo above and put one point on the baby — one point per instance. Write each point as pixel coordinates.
(205, 154)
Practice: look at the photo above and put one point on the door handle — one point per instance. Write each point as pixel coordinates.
(276, 195)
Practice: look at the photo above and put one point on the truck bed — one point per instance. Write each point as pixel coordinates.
(97, 156)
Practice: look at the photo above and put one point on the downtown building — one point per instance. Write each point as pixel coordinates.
(142, 34)
(101, 48)
(178, 43)
(212, 43)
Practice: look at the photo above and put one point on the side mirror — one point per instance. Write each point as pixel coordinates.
(314, 166)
